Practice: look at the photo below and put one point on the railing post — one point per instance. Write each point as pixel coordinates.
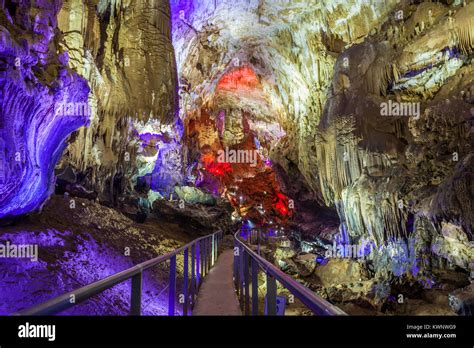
(203, 258)
(271, 295)
(254, 286)
(198, 264)
(213, 250)
(258, 241)
(236, 266)
(216, 247)
(172, 286)
(246, 283)
(206, 257)
(193, 273)
(185, 281)
(208, 254)
(136, 295)
(241, 276)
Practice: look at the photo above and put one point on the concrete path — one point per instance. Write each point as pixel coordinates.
(217, 295)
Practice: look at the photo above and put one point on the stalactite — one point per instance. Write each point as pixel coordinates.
(132, 80)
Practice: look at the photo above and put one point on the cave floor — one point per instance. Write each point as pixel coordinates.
(96, 220)
(89, 242)
(83, 244)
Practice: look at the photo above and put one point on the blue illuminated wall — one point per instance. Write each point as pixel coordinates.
(34, 83)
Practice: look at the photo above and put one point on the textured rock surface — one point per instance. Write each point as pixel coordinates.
(462, 300)
(35, 82)
(291, 47)
(341, 271)
(364, 107)
(127, 93)
(316, 76)
(198, 218)
(380, 170)
(193, 195)
(123, 49)
(79, 246)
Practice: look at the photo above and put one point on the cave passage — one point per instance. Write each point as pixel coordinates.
(233, 160)
(335, 136)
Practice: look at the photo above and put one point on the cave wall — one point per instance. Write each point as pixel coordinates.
(42, 102)
(388, 174)
(325, 70)
(83, 83)
(123, 49)
(292, 47)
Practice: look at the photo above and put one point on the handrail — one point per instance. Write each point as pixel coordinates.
(204, 251)
(242, 253)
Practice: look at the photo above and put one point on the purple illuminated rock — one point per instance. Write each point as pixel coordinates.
(41, 103)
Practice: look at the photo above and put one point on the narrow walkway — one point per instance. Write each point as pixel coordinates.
(217, 295)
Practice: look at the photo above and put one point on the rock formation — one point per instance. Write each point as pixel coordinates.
(123, 49)
(369, 108)
(337, 123)
(42, 102)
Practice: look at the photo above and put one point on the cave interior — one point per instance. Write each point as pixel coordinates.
(339, 130)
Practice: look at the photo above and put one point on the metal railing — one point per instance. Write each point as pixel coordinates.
(247, 265)
(204, 252)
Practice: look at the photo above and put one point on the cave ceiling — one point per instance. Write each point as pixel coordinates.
(312, 93)
(308, 80)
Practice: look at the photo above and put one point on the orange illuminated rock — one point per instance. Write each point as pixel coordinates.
(243, 77)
